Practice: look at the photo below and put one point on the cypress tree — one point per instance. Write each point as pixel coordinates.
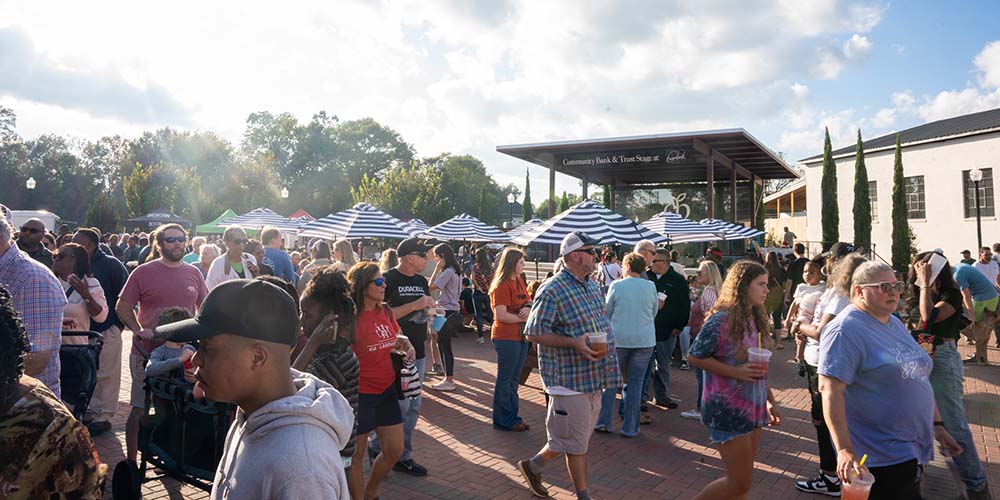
(862, 200)
(563, 203)
(900, 224)
(482, 204)
(606, 196)
(527, 213)
(830, 213)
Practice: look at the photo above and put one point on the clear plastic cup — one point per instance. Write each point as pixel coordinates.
(661, 296)
(759, 355)
(599, 344)
(859, 488)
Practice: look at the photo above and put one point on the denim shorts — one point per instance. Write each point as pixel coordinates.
(720, 436)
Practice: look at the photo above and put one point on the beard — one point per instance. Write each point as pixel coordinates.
(174, 255)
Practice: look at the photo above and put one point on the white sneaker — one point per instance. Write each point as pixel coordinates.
(444, 385)
(691, 414)
(480, 340)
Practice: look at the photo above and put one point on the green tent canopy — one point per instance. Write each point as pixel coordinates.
(213, 227)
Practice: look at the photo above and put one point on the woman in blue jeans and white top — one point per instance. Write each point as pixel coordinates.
(632, 306)
(938, 297)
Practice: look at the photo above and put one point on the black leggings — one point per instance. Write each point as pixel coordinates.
(896, 482)
(444, 341)
(827, 455)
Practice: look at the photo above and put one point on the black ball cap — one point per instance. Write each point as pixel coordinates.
(249, 308)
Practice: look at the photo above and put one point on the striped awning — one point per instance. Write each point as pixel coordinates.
(415, 227)
(519, 230)
(678, 228)
(595, 220)
(723, 231)
(360, 221)
(465, 227)
(258, 218)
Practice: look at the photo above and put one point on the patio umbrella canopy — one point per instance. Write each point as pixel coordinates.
(415, 227)
(594, 219)
(159, 217)
(678, 228)
(360, 221)
(519, 230)
(260, 217)
(466, 228)
(725, 231)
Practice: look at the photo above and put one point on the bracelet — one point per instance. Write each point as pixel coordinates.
(939, 423)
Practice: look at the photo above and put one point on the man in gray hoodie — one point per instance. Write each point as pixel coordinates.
(285, 441)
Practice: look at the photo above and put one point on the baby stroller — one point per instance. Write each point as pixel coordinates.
(78, 371)
(180, 435)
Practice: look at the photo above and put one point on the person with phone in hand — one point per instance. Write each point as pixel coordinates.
(84, 296)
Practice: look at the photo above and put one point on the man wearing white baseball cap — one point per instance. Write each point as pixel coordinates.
(568, 310)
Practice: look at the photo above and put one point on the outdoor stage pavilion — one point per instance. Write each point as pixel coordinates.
(676, 171)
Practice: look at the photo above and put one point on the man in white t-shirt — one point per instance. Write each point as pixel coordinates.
(988, 266)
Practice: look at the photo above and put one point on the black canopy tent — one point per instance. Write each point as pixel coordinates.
(157, 218)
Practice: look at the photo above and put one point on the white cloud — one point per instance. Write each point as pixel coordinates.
(988, 63)
(857, 47)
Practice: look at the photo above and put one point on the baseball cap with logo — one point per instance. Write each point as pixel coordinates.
(414, 246)
(574, 241)
(248, 308)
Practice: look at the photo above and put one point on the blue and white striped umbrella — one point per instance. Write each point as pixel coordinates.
(260, 217)
(519, 230)
(360, 221)
(728, 230)
(467, 228)
(594, 219)
(415, 227)
(680, 229)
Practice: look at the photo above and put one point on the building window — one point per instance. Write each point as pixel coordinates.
(985, 194)
(873, 199)
(915, 207)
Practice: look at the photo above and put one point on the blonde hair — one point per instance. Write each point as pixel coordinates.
(505, 266)
(634, 262)
(711, 269)
(866, 272)
(343, 246)
(843, 271)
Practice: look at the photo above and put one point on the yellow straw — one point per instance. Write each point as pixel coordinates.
(594, 324)
(759, 344)
(863, 458)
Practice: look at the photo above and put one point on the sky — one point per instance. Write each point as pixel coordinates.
(464, 76)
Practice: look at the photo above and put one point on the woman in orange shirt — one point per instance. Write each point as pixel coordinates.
(511, 305)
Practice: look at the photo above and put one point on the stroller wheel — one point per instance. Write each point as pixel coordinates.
(127, 483)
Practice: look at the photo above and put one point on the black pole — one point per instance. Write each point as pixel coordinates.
(979, 222)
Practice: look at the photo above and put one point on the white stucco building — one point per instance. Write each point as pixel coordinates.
(937, 159)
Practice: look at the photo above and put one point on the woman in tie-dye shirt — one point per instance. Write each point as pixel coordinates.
(736, 401)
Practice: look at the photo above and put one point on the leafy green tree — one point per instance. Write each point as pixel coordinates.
(564, 203)
(900, 225)
(527, 213)
(862, 200)
(149, 188)
(830, 212)
(103, 213)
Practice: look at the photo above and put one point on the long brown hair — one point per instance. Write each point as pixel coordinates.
(505, 269)
(360, 276)
(733, 300)
(331, 290)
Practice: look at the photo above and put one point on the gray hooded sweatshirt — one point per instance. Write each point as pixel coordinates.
(289, 448)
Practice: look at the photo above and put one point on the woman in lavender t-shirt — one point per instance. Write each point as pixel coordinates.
(736, 402)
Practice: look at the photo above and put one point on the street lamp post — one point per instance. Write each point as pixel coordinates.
(284, 193)
(510, 210)
(30, 183)
(976, 175)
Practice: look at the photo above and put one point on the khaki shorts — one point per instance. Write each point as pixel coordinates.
(137, 367)
(570, 421)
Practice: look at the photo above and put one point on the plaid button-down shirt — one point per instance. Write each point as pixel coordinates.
(40, 300)
(566, 305)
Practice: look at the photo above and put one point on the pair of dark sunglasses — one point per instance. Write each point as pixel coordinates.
(26, 229)
(378, 281)
(591, 251)
(175, 239)
(237, 241)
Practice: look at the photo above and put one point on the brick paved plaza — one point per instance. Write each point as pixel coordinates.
(468, 459)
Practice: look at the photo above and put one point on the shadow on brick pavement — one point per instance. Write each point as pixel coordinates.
(468, 459)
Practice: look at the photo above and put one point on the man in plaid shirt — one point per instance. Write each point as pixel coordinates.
(39, 299)
(567, 310)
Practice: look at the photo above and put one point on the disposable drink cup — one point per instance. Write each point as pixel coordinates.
(439, 311)
(599, 344)
(758, 355)
(661, 296)
(859, 487)
(438, 323)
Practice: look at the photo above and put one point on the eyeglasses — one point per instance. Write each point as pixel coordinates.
(175, 239)
(658, 260)
(591, 251)
(378, 281)
(26, 229)
(237, 241)
(887, 287)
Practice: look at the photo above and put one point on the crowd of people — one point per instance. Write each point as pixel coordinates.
(324, 352)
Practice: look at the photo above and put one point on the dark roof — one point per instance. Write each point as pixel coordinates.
(982, 120)
(670, 157)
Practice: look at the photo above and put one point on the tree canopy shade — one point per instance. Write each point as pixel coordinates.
(830, 214)
(862, 201)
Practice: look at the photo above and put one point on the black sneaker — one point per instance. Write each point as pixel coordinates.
(534, 480)
(822, 485)
(98, 428)
(669, 404)
(410, 467)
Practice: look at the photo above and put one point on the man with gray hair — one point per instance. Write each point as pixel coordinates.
(195, 255)
(647, 249)
(670, 320)
(39, 299)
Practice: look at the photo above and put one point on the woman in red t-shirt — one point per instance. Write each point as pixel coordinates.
(376, 335)
(511, 305)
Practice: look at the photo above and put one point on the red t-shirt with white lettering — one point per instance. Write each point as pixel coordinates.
(375, 336)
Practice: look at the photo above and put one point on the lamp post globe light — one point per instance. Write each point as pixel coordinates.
(976, 175)
(30, 183)
(510, 209)
(284, 193)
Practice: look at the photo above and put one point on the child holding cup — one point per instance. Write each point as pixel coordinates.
(736, 401)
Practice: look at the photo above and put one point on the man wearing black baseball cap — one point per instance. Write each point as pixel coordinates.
(290, 427)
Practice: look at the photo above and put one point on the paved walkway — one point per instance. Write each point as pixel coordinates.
(468, 459)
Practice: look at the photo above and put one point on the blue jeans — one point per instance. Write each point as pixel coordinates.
(634, 363)
(481, 303)
(510, 359)
(685, 340)
(661, 378)
(947, 381)
(410, 408)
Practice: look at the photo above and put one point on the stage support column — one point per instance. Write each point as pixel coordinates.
(710, 186)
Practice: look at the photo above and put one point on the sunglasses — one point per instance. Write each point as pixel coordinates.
(26, 229)
(658, 260)
(237, 241)
(175, 239)
(887, 287)
(378, 281)
(591, 251)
